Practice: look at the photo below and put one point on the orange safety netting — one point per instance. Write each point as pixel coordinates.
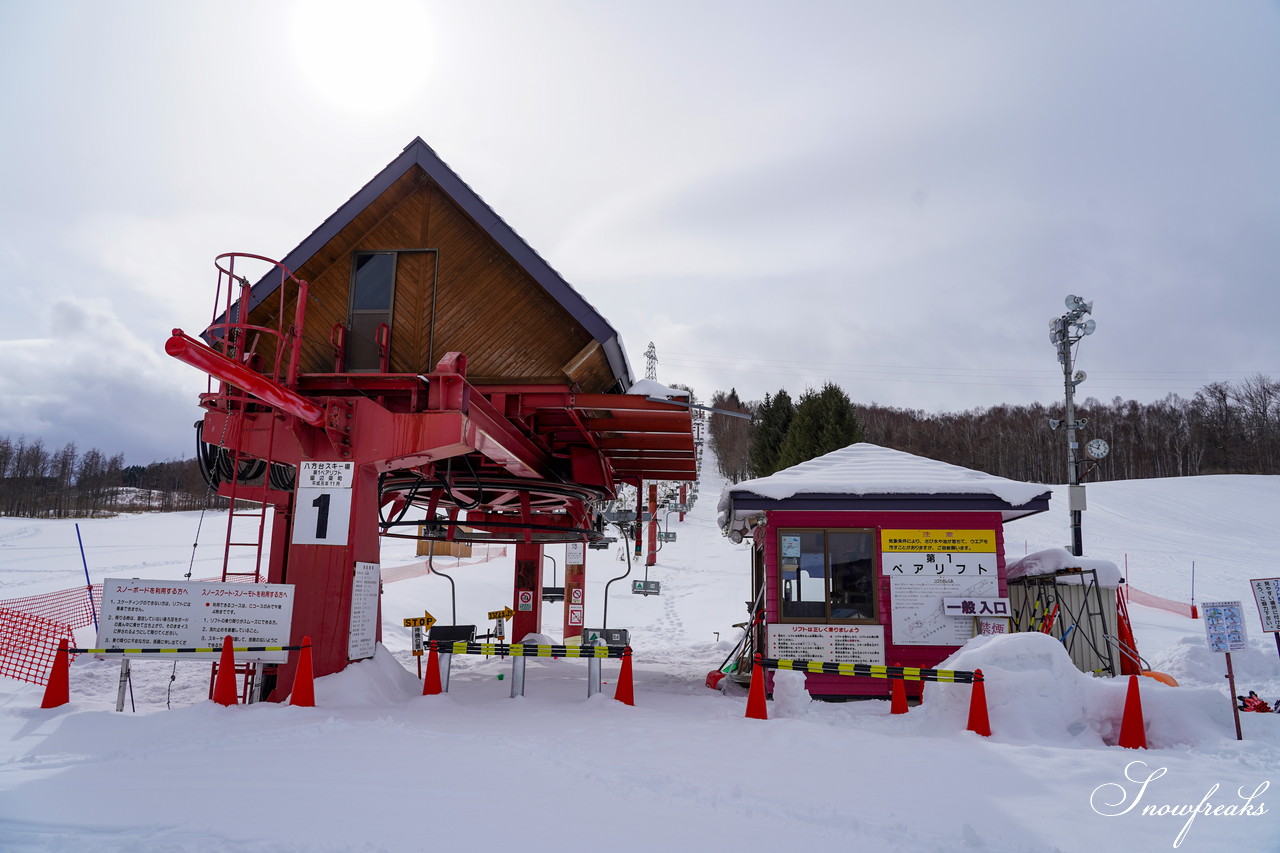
(29, 643)
(1137, 596)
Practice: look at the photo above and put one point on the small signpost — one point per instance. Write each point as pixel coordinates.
(500, 618)
(419, 624)
(1224, 629)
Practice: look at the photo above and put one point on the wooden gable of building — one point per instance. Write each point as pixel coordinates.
(459, 285)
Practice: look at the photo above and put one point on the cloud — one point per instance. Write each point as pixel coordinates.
(91, 381)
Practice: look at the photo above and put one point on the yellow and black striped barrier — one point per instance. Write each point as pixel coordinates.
(526, 650)
(979, 721)
(906, 673)
(215, 649)
(437, 680)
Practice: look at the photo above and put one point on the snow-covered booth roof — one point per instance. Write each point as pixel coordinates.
(869, 477)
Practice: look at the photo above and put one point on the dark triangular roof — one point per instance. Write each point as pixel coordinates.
(420, 154)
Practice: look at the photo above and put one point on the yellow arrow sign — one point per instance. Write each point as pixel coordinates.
(426, 620)
(504, 613)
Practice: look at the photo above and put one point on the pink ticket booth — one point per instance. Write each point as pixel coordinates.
(871, 555)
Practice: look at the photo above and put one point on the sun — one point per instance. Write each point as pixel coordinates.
(365, 57)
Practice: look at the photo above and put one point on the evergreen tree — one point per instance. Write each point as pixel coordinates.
(824, 421)
(773, 419)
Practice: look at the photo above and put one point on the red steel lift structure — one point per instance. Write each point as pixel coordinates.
(509, 463)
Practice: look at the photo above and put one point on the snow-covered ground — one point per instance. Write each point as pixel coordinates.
(376, 766)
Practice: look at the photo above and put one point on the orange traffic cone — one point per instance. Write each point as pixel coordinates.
(1133, 731)
(979, 723)
(304, 682)
(431, 684)
(756, 709)
(57, 691)
(625, 692)
(898, 696)
(224, 686)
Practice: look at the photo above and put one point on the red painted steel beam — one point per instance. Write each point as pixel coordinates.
(645, 441)
(203, 357)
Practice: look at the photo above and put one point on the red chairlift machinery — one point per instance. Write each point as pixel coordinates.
(522, 464)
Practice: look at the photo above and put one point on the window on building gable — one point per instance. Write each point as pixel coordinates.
(373, 277)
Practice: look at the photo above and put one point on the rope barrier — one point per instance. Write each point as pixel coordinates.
(905, 673)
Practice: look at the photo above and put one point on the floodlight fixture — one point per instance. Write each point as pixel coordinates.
(1087, 327)
(1079, 377)
(1075, 303)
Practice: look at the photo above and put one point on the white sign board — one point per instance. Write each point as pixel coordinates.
(362, 639)
(151, 614)
(918, 615)
(828, 643)
(931, 564)
(325, 475)
(1224, 626)
(575, 554)
(322, 505)
(1266, 592)
(981, 607)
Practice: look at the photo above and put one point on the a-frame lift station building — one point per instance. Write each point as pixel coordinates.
(414, 351)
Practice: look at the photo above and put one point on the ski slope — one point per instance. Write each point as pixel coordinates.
(376, 766)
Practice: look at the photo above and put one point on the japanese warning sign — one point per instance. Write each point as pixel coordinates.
(152, 614)
(1266, 594)
(920, 553)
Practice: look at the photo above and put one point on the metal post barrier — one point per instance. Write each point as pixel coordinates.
(520, 653)
(593, 674)
(517, 676)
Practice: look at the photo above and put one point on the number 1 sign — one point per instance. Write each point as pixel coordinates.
(322, 507)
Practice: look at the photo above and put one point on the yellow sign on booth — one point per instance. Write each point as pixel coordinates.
(939, 540)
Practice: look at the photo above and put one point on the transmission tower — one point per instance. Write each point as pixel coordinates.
(651, 362)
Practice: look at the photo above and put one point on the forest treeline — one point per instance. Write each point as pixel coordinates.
(37, 482)
(1224, 428)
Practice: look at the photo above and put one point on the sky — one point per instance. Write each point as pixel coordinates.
(893, 197)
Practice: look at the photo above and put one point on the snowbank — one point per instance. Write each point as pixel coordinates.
(1036, 696)
(1056, 559)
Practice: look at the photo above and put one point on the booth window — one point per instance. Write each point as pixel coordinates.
(373, 278)
(827, 575)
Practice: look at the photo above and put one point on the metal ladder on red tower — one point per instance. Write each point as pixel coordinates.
(242, 472)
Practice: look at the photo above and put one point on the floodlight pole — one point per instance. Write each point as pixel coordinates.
(1065, 332)
(1075, 491)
